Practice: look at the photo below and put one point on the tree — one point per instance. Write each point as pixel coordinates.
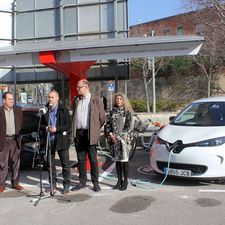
(213, 7)
(211, 14)
(145, 64)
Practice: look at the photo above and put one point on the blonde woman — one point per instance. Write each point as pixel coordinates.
(116, 129)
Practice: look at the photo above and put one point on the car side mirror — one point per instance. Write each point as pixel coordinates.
(171, 118)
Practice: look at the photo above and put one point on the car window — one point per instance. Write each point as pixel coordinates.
(30, 122)
(202, 114)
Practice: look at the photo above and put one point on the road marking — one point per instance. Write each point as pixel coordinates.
(107, 172)
(205, 190)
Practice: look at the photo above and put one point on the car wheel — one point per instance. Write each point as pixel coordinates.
(26, 160)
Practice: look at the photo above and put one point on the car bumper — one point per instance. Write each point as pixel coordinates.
(204, 163)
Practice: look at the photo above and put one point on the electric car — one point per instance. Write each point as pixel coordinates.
(192, 145)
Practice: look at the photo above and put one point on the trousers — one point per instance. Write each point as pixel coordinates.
(9, 159)
(64, 160)
(82, 148)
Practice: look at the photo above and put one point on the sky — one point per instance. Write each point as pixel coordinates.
(141, 11)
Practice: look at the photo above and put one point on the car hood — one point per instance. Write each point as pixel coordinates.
(172, 133)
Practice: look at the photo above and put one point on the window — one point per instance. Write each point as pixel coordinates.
(166, 31)
(199, 29)
(202, 114)
(180, 30)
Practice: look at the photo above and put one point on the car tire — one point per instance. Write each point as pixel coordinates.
(26, 160)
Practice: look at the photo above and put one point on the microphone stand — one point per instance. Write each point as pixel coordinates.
(40, 161)
(48, 153)
(48, 157)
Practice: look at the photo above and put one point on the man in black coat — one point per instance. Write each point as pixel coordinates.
(56, 125)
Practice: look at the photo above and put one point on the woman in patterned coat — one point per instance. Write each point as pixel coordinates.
(117, 130)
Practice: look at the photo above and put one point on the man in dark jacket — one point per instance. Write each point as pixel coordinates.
(10, 143)
(88, 118)
(56, 125)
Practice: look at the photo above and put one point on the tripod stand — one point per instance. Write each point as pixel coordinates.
(48, 153)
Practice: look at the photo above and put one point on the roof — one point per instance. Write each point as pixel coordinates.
(87, 44)
(211, 99)
(87, 50)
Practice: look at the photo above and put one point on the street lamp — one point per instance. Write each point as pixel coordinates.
(152, 33)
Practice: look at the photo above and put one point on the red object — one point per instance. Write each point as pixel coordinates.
(88, 165)
(73, 70)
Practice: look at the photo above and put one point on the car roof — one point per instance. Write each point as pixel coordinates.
(211, 99)
(28, 107)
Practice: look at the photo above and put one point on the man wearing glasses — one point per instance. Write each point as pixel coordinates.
(88, 118)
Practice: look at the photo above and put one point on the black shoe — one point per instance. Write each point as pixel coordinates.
(96, 188)
(66, 189)
(124, 186)
(117, 186)
(78, 187)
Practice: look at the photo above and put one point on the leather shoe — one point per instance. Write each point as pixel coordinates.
(96, 188)
(118, 185)
(78, 187)
(51, 191)
(66, 190)
(18, 187)
(124, 186)
(1, 189)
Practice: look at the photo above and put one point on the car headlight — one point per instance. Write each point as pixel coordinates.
(211, 142)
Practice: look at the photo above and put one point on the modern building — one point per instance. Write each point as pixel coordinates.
(40, 21)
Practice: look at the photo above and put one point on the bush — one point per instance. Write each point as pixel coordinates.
(161, 105)
(138, 105)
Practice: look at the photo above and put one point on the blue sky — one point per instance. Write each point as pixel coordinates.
(141, 11)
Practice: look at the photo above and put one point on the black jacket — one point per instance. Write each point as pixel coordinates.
(63, 127)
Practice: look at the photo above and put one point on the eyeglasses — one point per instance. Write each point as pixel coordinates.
(79, 87)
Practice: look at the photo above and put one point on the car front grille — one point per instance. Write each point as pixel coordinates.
(195, 169)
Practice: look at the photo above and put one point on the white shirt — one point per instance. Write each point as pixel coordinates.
(83, 110)
(10, 123)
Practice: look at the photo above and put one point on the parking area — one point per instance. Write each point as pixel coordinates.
(146, 201)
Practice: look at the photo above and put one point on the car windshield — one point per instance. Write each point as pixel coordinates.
(202, 114)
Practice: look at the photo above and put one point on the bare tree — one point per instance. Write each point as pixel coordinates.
(145, 64)
(211, 15)
(213, 7)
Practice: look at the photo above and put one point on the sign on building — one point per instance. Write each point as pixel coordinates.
(111, 86)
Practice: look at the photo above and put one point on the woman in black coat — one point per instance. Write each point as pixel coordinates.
(117, 130)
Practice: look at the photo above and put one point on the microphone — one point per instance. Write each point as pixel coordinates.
(43, 110)
(50, 107)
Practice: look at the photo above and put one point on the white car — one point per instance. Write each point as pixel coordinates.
(193, 144)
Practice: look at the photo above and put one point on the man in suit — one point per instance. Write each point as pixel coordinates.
(56, 125)
(88, 118)
(10, 142)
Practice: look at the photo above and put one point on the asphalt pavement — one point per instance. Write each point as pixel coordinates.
(146, 201)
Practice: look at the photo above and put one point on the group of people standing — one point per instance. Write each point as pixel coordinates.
(87, 120)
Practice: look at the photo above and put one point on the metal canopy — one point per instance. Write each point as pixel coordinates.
(103, 49)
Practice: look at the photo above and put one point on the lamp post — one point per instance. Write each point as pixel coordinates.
(153, 80)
